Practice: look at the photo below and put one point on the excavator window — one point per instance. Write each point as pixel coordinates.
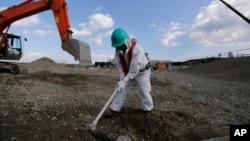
(12, 48)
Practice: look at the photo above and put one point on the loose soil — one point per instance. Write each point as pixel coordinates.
(57, 104)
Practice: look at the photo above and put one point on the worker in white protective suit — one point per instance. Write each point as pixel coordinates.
(134, 67)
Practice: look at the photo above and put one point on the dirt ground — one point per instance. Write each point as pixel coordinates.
(53, 103)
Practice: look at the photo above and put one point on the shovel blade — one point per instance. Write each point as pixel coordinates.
(99, 135)
(78, 49)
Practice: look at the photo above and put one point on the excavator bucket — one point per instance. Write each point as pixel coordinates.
(80, 50)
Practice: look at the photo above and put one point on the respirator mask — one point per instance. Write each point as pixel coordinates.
(124, 48)
(121, 49)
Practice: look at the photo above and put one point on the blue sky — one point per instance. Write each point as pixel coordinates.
(174, 30)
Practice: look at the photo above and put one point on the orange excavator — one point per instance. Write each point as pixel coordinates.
(11, 45)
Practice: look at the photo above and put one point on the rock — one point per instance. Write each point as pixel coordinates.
(123, 138)
(225, 138)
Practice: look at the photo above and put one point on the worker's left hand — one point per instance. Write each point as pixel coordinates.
(122, 83)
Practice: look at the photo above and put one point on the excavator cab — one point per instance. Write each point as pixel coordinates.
(11, 47)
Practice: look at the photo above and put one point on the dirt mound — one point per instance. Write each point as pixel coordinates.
(232, 69)
(45, 64)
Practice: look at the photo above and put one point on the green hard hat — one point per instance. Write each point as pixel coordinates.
(118, 37)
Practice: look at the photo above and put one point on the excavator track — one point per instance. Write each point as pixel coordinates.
(12, 68)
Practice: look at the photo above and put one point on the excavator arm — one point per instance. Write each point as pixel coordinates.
(31, 7)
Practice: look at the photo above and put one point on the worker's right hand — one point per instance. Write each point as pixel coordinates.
(122, 83)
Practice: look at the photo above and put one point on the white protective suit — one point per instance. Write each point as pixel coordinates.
(137, 73)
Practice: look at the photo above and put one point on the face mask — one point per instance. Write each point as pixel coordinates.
(121, 50)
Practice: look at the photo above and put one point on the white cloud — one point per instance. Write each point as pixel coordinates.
(26, 31)
(170, 37)
(100, 21)
(160, 27)
(3, 8)
(81, 32)
(38, 32)
(43, 32)
(97, 21)
(98, 40)
(170, 33)
(217, 25)
(98, 8)
(29, 21)
(174, 26)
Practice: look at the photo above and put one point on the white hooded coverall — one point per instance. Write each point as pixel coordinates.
(137, 73)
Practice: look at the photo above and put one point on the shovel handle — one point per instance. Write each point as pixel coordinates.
(93, 124)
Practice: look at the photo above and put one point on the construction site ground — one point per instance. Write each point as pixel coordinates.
(54, 103)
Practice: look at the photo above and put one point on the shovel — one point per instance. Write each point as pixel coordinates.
(92, 126)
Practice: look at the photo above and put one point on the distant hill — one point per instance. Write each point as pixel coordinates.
(232, 69)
